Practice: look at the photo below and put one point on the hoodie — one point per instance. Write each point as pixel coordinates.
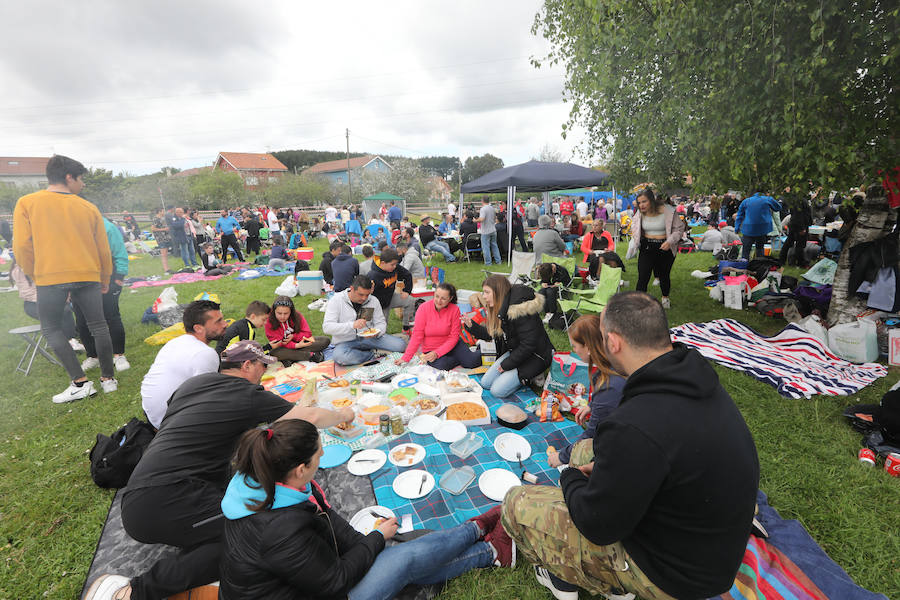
(344, 268)
(676, 473)
(298, 548)
(386, 283)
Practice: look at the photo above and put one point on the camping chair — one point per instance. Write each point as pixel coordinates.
(352, 227)
(608, 282)
(376, 229)
(522, 263)
(472, 245)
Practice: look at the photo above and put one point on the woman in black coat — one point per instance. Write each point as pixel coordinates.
(284, 541)
(513, 322)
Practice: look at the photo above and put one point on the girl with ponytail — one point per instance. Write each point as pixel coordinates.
(283, 539)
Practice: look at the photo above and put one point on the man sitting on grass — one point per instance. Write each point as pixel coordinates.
(666, 508)
(356, 324)
(174, 494)
(392, 286)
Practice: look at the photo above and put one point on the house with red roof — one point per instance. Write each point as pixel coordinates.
(255, 169)
(336, 170)
(23, 171)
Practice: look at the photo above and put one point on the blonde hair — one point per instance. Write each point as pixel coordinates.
(500, 288)
(476, 301)
(586, 331)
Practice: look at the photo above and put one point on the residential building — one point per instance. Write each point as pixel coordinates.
(336, 170)
(23, 171)
(255, 169)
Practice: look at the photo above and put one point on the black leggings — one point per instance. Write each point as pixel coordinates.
(653, 260)
(229, 240)
(113, 321)
(298, 354)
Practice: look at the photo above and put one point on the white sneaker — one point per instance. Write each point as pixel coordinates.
(121, 363)
(656, 281)
(665, 303)
(106, 587)
(547, 318)
(74, 392)
(76, 345)
(91, 362)
(543, 577)
(109, 385)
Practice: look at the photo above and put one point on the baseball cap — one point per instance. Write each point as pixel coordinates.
(246, 350)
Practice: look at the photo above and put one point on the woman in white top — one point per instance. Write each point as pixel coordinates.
(657, 230)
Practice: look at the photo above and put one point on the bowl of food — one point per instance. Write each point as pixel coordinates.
(427, 405)
(371, 408)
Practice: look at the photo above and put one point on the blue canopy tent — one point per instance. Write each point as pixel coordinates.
(532, 176)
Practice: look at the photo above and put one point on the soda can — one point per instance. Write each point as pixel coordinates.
(866, 457)
(892, 464)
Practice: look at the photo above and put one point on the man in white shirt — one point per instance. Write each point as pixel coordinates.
(451, 210)
(273, 222)
(331, 214)
(182, 358)
(581, 208)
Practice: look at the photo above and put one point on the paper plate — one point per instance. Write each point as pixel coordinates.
(507, 444)
(450, 431)
(424, 424)
(407, 484)
(364, 521)
(427, 389)
(403, 460)
(334, 455)
(360, 465)
(494, 483)
(367, 335)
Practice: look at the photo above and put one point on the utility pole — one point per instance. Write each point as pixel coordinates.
(349, 188)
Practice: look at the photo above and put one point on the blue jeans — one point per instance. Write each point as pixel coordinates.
(489, 247)
(438, 246)
(432, 558)
(501, 385)
(187, 253)
(360, 350)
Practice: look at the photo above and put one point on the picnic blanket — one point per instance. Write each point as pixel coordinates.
(790, 565)
(176, 278)
(441, 510)
(265, 271)
(793, 361)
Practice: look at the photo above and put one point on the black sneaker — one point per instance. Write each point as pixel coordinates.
(317, 357)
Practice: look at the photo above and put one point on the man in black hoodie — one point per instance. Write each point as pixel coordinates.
(327, 258)
(666, 506)
(392, 286)
(344, 267)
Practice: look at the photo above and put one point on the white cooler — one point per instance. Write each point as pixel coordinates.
(310, 282)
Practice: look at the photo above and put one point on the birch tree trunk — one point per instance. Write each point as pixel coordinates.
(876, 219)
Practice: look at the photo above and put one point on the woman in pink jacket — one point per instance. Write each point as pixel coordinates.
(290, 336)
(436, 332)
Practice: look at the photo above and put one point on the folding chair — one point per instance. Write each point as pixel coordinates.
(522, 264)
(472, 245)
(34, 339)
(608, 282)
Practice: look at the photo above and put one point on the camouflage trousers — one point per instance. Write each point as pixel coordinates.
(537, 518)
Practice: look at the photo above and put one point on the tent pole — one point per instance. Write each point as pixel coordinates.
(510, 197)
(615, 214)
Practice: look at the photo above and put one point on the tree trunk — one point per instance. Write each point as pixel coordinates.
(876, 219)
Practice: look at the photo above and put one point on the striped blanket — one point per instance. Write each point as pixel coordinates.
(797, 364)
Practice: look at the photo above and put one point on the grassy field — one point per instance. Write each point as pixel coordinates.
(51, 513)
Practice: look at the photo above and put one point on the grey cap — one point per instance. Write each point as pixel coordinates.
(246, 350)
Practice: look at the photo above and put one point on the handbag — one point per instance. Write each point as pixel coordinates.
(113, 458)
(569, 376)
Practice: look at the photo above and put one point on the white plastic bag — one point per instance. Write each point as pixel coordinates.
(734, 296)
(854, 342)
(717, 292)
(633, 247)
(813, 326)
(166, 300)
(287, 288)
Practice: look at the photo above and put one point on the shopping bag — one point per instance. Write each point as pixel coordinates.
(812, 324)
(569, 376)
(288, 287)
(166, 300)
(478, 316)
(733, 296)
(854, 342)
(822, 272)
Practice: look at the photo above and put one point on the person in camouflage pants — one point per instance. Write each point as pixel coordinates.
(537, 518)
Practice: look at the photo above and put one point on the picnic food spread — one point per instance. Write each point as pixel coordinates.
(466, 411)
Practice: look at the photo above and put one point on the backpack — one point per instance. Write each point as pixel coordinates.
(114, 458)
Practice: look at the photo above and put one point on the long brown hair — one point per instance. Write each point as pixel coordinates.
(586, 331)
(500, 288)
(267, 455)
(294, 320)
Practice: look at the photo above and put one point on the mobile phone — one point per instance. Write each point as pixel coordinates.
(370, 363)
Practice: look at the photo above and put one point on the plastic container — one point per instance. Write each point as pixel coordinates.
(455, 481)
(465, 446)
(305, 253)
(310, 282)
(371, 409)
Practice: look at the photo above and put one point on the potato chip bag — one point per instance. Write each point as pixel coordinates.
(548, 410)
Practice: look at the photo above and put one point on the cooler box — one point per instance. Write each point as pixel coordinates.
(310, 282)
(305, 253)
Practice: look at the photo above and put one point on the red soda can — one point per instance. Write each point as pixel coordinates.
(866, 457)
(892, 464)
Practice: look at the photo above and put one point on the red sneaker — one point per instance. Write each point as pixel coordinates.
(503, 545)
(487, 521)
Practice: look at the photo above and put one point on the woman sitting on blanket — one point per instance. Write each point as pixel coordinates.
(436, 332)
(283, 540)
(514, 323)
(587, 342)
(290, 335)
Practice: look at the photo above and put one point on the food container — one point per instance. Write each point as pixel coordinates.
(305, 253)
(310, 282)
(335, 398)
(370, 408)
(455, 481)
(483, 416)
(427, 405)
(403, 396)
(354, 431)
(465, 446)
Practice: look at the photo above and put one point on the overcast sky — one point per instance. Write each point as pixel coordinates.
(137, 86)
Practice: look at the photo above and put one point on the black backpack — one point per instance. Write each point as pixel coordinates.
(114, 458)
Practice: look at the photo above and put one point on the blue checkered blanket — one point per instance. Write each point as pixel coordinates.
(441, 510)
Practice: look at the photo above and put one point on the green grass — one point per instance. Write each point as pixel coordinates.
(51, 513)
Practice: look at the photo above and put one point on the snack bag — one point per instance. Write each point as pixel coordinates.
(549, 407)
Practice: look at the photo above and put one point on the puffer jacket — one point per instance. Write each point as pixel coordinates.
(524, 337)
(299, 549)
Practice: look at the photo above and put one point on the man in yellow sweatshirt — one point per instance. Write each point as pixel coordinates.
(60, 242)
